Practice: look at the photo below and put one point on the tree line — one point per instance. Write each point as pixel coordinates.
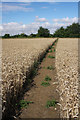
(71, 31)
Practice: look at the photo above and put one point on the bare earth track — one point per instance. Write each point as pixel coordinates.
(40, 94)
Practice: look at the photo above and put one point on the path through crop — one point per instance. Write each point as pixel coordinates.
(40, 93)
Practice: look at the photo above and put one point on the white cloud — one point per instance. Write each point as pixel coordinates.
(40, 19)
(66, 20)
(17, 28)
(10, 7)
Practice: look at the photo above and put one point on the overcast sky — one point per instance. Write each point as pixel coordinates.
(27, 17)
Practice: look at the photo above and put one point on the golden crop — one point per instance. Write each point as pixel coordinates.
(18, 56)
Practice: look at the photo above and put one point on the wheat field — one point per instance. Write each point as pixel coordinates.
(67, 72)
(18, 56)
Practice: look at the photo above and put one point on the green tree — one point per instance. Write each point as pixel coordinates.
(69, 31)
(43, 32)
(6, 36)
(59, 33)
(22, 35)
(32, 35)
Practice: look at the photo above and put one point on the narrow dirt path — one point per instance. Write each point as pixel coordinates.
(40, 94)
